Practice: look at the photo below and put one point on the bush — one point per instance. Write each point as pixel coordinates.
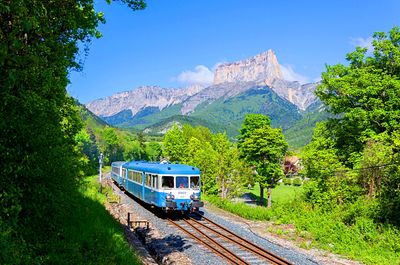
(297, 182)
(287, 181)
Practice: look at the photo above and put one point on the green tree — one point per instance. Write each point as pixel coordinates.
(39, 43)
(86, 143)
(153, 151)
(113, 150)
(364, 98)
(264, 148)
(365, 95)
(203, 156)
(174, 144)
(231, 173)
(133, 151)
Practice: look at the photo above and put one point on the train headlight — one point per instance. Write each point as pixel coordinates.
(194, 197)
(170, 197)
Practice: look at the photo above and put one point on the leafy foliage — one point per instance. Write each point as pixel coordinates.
(41, 161)
(264, 148)
(221, 169)
(355, 152)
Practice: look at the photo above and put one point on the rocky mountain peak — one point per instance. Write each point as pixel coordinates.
(263, 67)
(140, 98)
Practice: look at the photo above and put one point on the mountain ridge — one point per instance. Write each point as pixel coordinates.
(252, 85)
(230, 79)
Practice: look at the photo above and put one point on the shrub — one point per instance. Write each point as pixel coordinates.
(297, 182)
(287, 181)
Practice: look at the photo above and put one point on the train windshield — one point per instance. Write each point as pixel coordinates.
(168, 182)
(195, 182)
(182, 182)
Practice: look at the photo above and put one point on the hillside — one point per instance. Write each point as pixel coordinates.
(300, 133)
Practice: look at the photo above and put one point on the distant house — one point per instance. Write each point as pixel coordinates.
(292, 165)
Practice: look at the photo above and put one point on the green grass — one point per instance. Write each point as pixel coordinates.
(91, 235)
(280, 194)
(363, 240)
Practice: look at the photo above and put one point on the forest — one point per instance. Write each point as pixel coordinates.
(49, 143)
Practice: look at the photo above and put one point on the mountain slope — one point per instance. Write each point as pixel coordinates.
(231, 111)
(228, 114)
(164, 125)
(300, 133)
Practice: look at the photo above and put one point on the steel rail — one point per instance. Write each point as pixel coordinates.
(270, 256)
(229, 255)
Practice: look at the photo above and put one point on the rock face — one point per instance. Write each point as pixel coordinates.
(263, 67)
(140, 98)
(300, 95)
(231, 79)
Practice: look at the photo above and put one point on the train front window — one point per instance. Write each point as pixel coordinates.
(194, 182)
(182, 182)
(167, 182)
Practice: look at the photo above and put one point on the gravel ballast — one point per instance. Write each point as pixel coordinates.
(171, 246)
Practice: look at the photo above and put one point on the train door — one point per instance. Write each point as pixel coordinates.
(124, 177)
(154, 188)
(143, 184)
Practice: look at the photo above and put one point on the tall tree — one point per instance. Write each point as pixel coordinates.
(365, 95)
(264, 148)
(232, 174)
(174, 144)
(364, 98)
(39, 43)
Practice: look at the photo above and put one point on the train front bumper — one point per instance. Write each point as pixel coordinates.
(196, 204)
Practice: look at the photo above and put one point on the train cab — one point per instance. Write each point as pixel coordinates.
(171, 187)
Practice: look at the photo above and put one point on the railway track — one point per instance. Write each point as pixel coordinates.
(230, 246)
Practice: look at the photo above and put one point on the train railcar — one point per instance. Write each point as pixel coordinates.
(117, 172)
(171, 187)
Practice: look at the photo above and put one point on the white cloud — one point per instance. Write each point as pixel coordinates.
(289, 74)
(200, 75)
(362, 42)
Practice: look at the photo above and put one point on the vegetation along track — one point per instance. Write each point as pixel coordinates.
(228, 245)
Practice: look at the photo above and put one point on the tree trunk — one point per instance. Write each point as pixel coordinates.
(261, 195)
(269, 205)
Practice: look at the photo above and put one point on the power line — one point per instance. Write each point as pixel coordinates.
(364, 168)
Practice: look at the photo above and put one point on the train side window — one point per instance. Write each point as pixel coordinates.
(148, 180)
(138, 177)
(194, 182)
(168, 182)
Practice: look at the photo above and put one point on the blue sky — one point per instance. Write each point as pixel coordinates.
(173, 43)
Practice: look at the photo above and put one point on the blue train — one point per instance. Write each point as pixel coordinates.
(171, 187)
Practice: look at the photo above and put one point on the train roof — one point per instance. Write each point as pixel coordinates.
(162, 168)
(118, 163)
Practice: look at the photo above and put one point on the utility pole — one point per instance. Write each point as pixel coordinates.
(101, 165)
